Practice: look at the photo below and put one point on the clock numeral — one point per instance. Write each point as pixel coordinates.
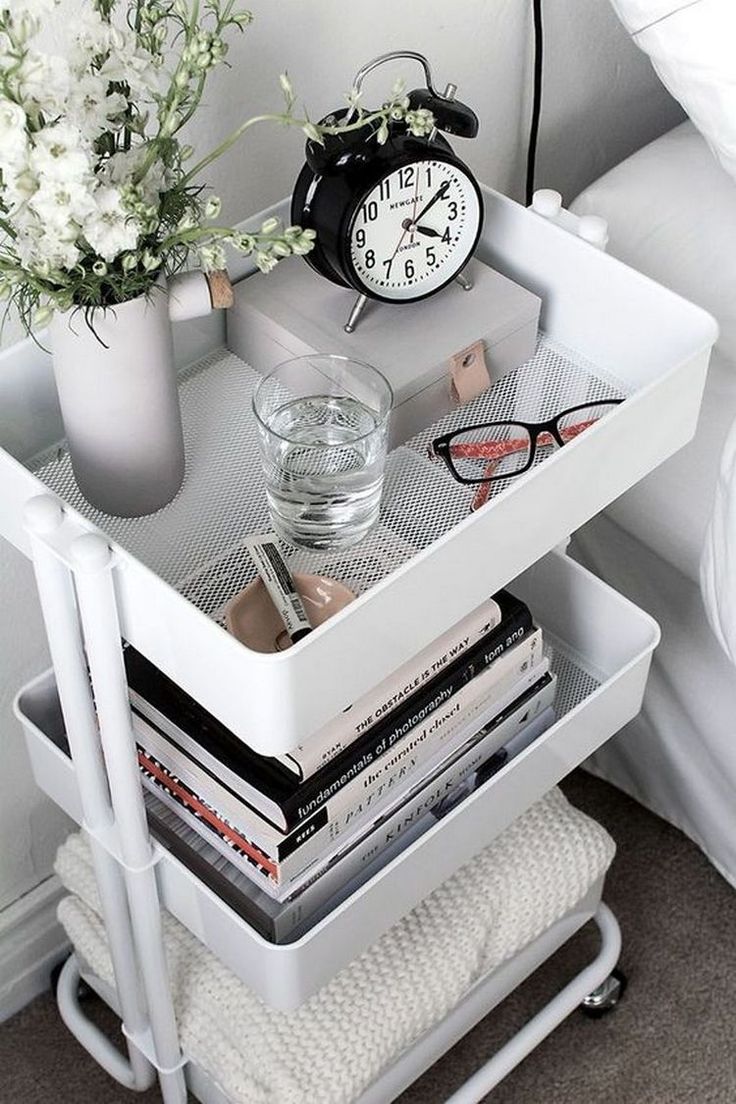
(360, 238)
(447, 236)
(384, 189)
(388, 264)
(431, 258)
(370, 259)
(406, 176)
(370, 211)
(453, 211)
(409, 269)
(429, 176)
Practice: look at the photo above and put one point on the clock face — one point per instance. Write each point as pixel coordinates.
(415, 230)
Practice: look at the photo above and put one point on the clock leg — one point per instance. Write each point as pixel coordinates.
(355, 313)
(464, 281)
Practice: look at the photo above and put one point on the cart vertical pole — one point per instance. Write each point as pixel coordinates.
(44, 519)
(93, 570)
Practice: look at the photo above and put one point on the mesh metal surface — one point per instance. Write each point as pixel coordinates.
(574, 684)
(196, 542)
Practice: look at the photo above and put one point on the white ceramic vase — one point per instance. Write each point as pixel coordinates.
(120, 406)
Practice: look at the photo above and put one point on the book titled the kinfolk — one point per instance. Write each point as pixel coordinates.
(264, 783)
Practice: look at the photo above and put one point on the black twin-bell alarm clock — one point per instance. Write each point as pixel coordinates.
(397, 221)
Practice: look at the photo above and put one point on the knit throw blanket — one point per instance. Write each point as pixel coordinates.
(330, 1049)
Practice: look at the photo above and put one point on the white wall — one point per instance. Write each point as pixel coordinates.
(30, 827)
(601, 102)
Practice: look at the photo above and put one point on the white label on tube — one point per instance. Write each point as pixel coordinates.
(274, 571)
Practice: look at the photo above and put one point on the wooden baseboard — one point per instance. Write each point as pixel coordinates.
(31, 943)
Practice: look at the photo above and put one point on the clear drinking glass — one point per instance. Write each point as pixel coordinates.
(323, 431)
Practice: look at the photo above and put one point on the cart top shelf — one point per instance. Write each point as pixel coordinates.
(609, 332)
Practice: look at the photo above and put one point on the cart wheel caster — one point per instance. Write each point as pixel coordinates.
(84, 992)
(606, 997)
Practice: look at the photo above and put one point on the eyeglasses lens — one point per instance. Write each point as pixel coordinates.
(570, 425)
(489, 452)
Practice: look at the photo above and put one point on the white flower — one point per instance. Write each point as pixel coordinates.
(266, 261)
(93, 36)
(44, 249)
(19, 184)
(131, 64)
(288, 90)
(110, 230)
(212, 257)
(61, 206)
(212, 207)
(33, 8)
(13, 137)
(420, 122)
(90, 107)
(121, 167)
(398, 88)
(26, 15)
(43, 82)
(60, 153)
(149, 261)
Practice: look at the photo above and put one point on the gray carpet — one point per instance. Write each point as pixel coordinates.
(671, 1041)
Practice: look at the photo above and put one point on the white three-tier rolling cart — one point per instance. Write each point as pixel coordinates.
(160, 583)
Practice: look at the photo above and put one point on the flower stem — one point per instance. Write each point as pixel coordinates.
(232, 138)
(286, 120)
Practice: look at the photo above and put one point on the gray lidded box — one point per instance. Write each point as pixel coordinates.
(293, 311)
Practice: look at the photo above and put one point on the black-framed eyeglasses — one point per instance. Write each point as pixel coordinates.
(491, 451)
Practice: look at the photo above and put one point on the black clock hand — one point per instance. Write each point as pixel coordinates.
(428, 231)
(439, 194)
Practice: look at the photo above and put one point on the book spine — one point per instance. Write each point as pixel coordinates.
(382, 737)
(181, 764)
(361, 855)
(242, 895)
(228, 839)
(280, 878)
(306, 759)
(395, 780)
(399, 828)
(488, 694)
(392, 790)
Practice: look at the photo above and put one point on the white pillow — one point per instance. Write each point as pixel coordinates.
(692, 46)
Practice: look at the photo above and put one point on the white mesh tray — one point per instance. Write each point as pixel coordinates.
(601, 647)
(608, 331)
(196, 543)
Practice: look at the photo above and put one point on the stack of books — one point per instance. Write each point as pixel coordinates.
(304, 829)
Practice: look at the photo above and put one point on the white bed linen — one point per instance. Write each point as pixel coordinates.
(678, 758)
(672, 214)
(691, 46)
(329, 1050)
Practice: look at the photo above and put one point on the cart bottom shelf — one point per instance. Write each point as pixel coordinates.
(485, 995)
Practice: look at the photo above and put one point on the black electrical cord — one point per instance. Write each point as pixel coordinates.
(531, 159)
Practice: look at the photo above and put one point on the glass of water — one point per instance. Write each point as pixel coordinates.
(323, 430)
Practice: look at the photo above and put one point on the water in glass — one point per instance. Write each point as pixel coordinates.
(323, 457)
